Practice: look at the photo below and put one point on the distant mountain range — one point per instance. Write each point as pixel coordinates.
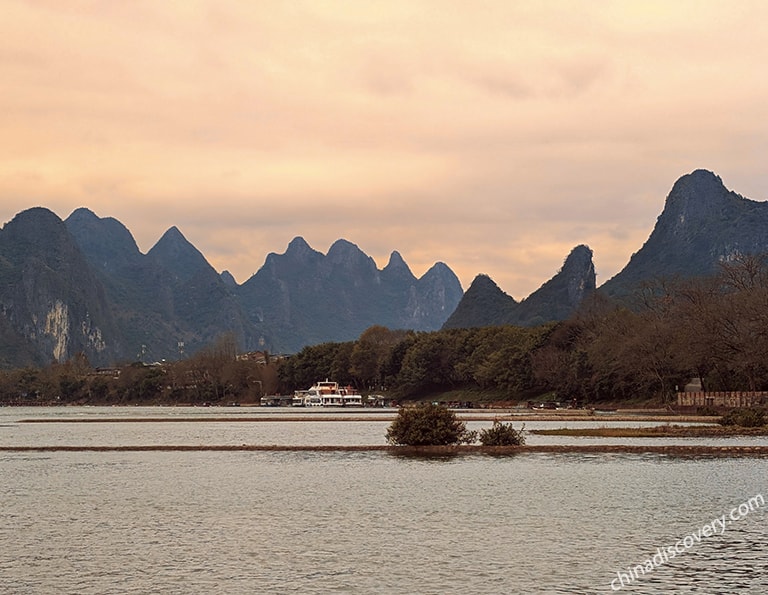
(485, 304)
(702, 224)
(82, 285)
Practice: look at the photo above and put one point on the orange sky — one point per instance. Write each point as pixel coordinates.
(491, 135)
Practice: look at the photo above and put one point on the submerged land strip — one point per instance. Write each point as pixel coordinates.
(663, 431)
(668, 428)
(428, 451)
(383, 416)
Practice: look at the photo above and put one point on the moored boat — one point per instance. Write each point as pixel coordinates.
(327, 393)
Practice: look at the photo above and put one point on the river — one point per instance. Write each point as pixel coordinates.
(359, 522)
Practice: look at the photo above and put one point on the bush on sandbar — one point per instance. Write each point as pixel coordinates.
(745, 418)
(428, 425)
(502, 435)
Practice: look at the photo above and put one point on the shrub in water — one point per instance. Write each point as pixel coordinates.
(502, 435)
(428, 425)
(746, 418)
(707, 411)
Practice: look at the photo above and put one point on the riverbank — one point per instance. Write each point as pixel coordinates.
(367, 415)
(665, 431)
(427, 451)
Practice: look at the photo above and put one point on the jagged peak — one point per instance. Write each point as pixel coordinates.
(442, 271)
(580, 257)
(39, 232)
(696, 183)
(95, 233)
(581, 249)
(702, 221)
(35, 214)
(700, 177)
(697, 200)
(299, 248)
(578, 267)
(37, 222)
(396, 259)
(173, 242)
(483, 304)
(397, 265)
(696, 191)
(84, 214)
(482, 282)
(345, 254)
(228, 278)
(298, 244)
(173, 233)
(344, 247)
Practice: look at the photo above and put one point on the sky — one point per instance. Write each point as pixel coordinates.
(492, 135)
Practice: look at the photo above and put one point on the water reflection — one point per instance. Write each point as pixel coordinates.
(238, 428)
(369, 522)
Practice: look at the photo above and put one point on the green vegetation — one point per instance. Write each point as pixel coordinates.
(650, 432)
(710, 328)
(501, 434)
(433, 425)
(662, 431)
(744, 418)
(713, 329)
(214, 375)
(414, 365)
(428, 425)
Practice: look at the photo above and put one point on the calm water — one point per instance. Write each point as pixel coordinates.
(333, 522)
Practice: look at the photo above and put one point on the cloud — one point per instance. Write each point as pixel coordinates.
(493, 137)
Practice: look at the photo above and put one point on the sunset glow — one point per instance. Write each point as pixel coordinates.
(493, 136)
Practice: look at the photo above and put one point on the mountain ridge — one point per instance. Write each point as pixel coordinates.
(82, 285)
(485, 304)
(702, 224)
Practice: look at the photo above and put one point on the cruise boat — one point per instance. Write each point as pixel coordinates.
(327, 394)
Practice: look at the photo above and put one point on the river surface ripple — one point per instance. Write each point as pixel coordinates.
(359, 522)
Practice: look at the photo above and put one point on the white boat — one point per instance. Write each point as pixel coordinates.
(327, 394)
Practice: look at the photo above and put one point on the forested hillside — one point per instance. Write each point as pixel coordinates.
(713, 328)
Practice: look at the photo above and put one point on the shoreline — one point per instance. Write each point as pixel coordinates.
(663, 431)
(383, 416)
(672, 450)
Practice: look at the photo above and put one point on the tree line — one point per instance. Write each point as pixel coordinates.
(644, 346)
(213, 375)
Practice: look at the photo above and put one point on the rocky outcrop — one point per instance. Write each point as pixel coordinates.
(303, 297)
(53, 305)
(559, 297)
(485, 304)
(166, 301)
(702, 224)
(83, 286)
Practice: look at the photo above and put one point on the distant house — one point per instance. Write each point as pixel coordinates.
(722, 399)
(276, 401)
(112, 372)
(253, 356)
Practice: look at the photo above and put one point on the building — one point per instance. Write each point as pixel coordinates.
(722, 399)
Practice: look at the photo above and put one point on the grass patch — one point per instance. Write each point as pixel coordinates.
(656, 432)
